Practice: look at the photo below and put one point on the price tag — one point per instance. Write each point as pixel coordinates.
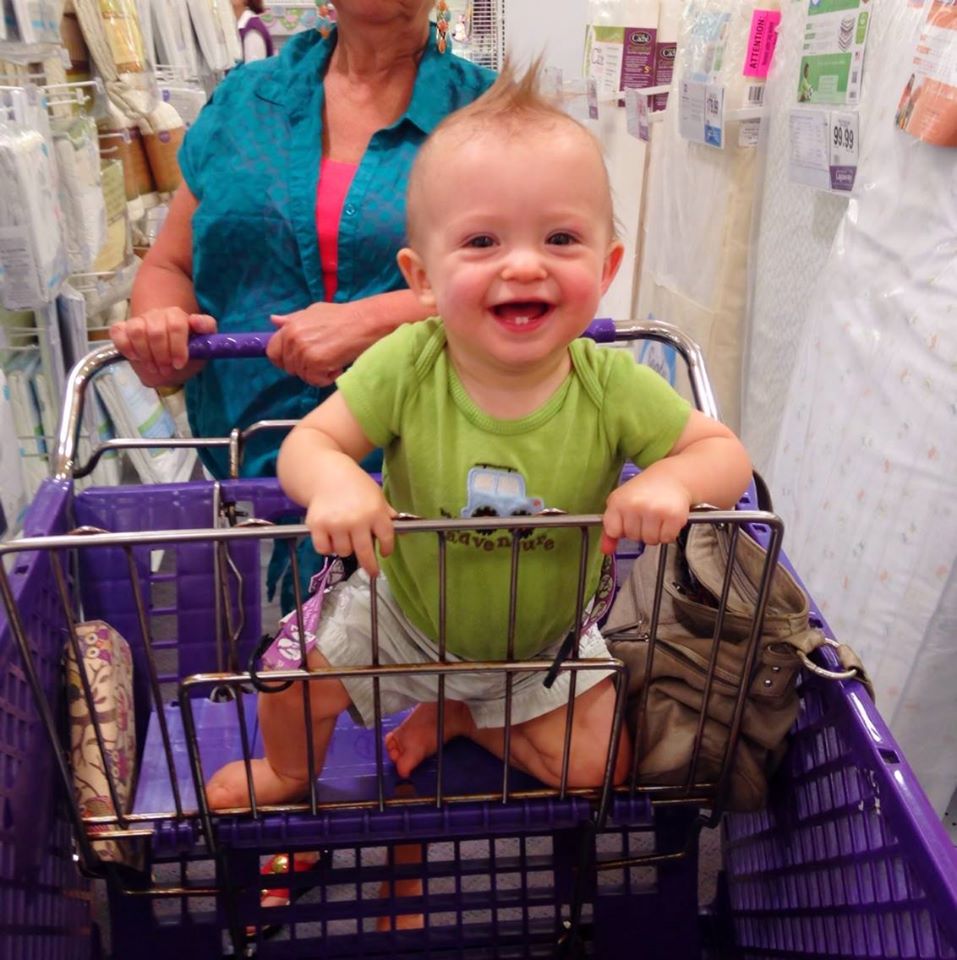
(844, 149)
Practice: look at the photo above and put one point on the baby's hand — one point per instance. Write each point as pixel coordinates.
(348, 520)
(651, 507)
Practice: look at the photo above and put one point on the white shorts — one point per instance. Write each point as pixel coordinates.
(344, 638)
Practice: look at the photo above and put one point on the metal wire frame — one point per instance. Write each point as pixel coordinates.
(126, 825)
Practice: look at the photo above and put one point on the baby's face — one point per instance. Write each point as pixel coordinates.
(514, 238)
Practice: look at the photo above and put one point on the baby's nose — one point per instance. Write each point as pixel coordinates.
(524, 263)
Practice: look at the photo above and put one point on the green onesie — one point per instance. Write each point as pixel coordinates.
(444, 457)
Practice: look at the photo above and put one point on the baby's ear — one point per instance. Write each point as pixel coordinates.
(413, 269)
(612, 262)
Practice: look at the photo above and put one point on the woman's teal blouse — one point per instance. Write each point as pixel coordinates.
(252, 161)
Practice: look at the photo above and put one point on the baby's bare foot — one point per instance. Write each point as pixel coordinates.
(227, 787)
(416, 738)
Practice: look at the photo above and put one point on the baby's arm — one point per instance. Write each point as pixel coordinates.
(318, 468)
(707, 464)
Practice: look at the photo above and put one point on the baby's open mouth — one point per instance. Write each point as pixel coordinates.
(521, 312)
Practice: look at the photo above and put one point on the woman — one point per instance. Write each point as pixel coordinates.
(289, 218)
(255, 38)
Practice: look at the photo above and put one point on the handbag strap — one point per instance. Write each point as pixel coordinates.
(853, 666)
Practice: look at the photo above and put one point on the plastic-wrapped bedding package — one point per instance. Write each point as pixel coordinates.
(700, 199)
(208, 22)
(32, 21)
(865, 473)
(797, 228)
(81, 191)
(173, 33)
(33, 260)
(613, 63)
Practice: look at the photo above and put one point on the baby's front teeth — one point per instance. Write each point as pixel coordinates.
(521, 321)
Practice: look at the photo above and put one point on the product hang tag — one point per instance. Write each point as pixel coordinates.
(714, 115)
(591, 91)
(701, 112)
(553, 83)
(749, 133)
(844, 149)
(636, 113)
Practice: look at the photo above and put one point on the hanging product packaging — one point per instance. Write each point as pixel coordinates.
(620, 48)
(33, 260)
(186, 97)
(175, 44)
(120, 139)
(76, 48)
(208, 24)
(234, 49)
(162, 146)
(927, 108)
(145, 16)
(112, 33)
(81, 191)
(620, 45)
(33, 21)
(117, 249)
(122, 28)
(138, 411)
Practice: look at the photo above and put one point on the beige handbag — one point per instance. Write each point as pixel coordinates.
(694, 577)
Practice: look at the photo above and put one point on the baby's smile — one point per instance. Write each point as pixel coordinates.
(521, 313)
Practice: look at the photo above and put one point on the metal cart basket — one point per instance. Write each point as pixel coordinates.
(848, 859)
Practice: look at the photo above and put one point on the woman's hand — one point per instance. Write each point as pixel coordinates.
(652, 507)
(157, 344)
(317, 343)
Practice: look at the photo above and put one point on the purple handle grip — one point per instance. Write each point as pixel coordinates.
(601, 330)
(237, 345)
(228, 345)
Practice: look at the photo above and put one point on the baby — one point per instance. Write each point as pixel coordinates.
(495, 406)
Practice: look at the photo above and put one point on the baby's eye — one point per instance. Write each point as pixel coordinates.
(481, 241)
(561, 238)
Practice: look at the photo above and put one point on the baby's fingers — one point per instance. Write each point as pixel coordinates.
(364, 547)
(385, 533)
(612, 530)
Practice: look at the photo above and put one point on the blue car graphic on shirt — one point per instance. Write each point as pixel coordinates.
(498, 492)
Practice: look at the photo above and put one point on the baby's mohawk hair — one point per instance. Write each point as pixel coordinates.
(514, 98)
(514, 105)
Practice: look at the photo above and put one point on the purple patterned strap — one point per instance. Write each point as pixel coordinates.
(285, 652)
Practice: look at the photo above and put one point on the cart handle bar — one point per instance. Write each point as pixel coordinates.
(241, 345)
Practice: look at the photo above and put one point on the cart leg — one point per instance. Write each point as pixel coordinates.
(663, 913)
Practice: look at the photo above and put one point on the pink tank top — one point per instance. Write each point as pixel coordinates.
(335, 178)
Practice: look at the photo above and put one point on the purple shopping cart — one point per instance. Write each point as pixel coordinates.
(848, 860)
